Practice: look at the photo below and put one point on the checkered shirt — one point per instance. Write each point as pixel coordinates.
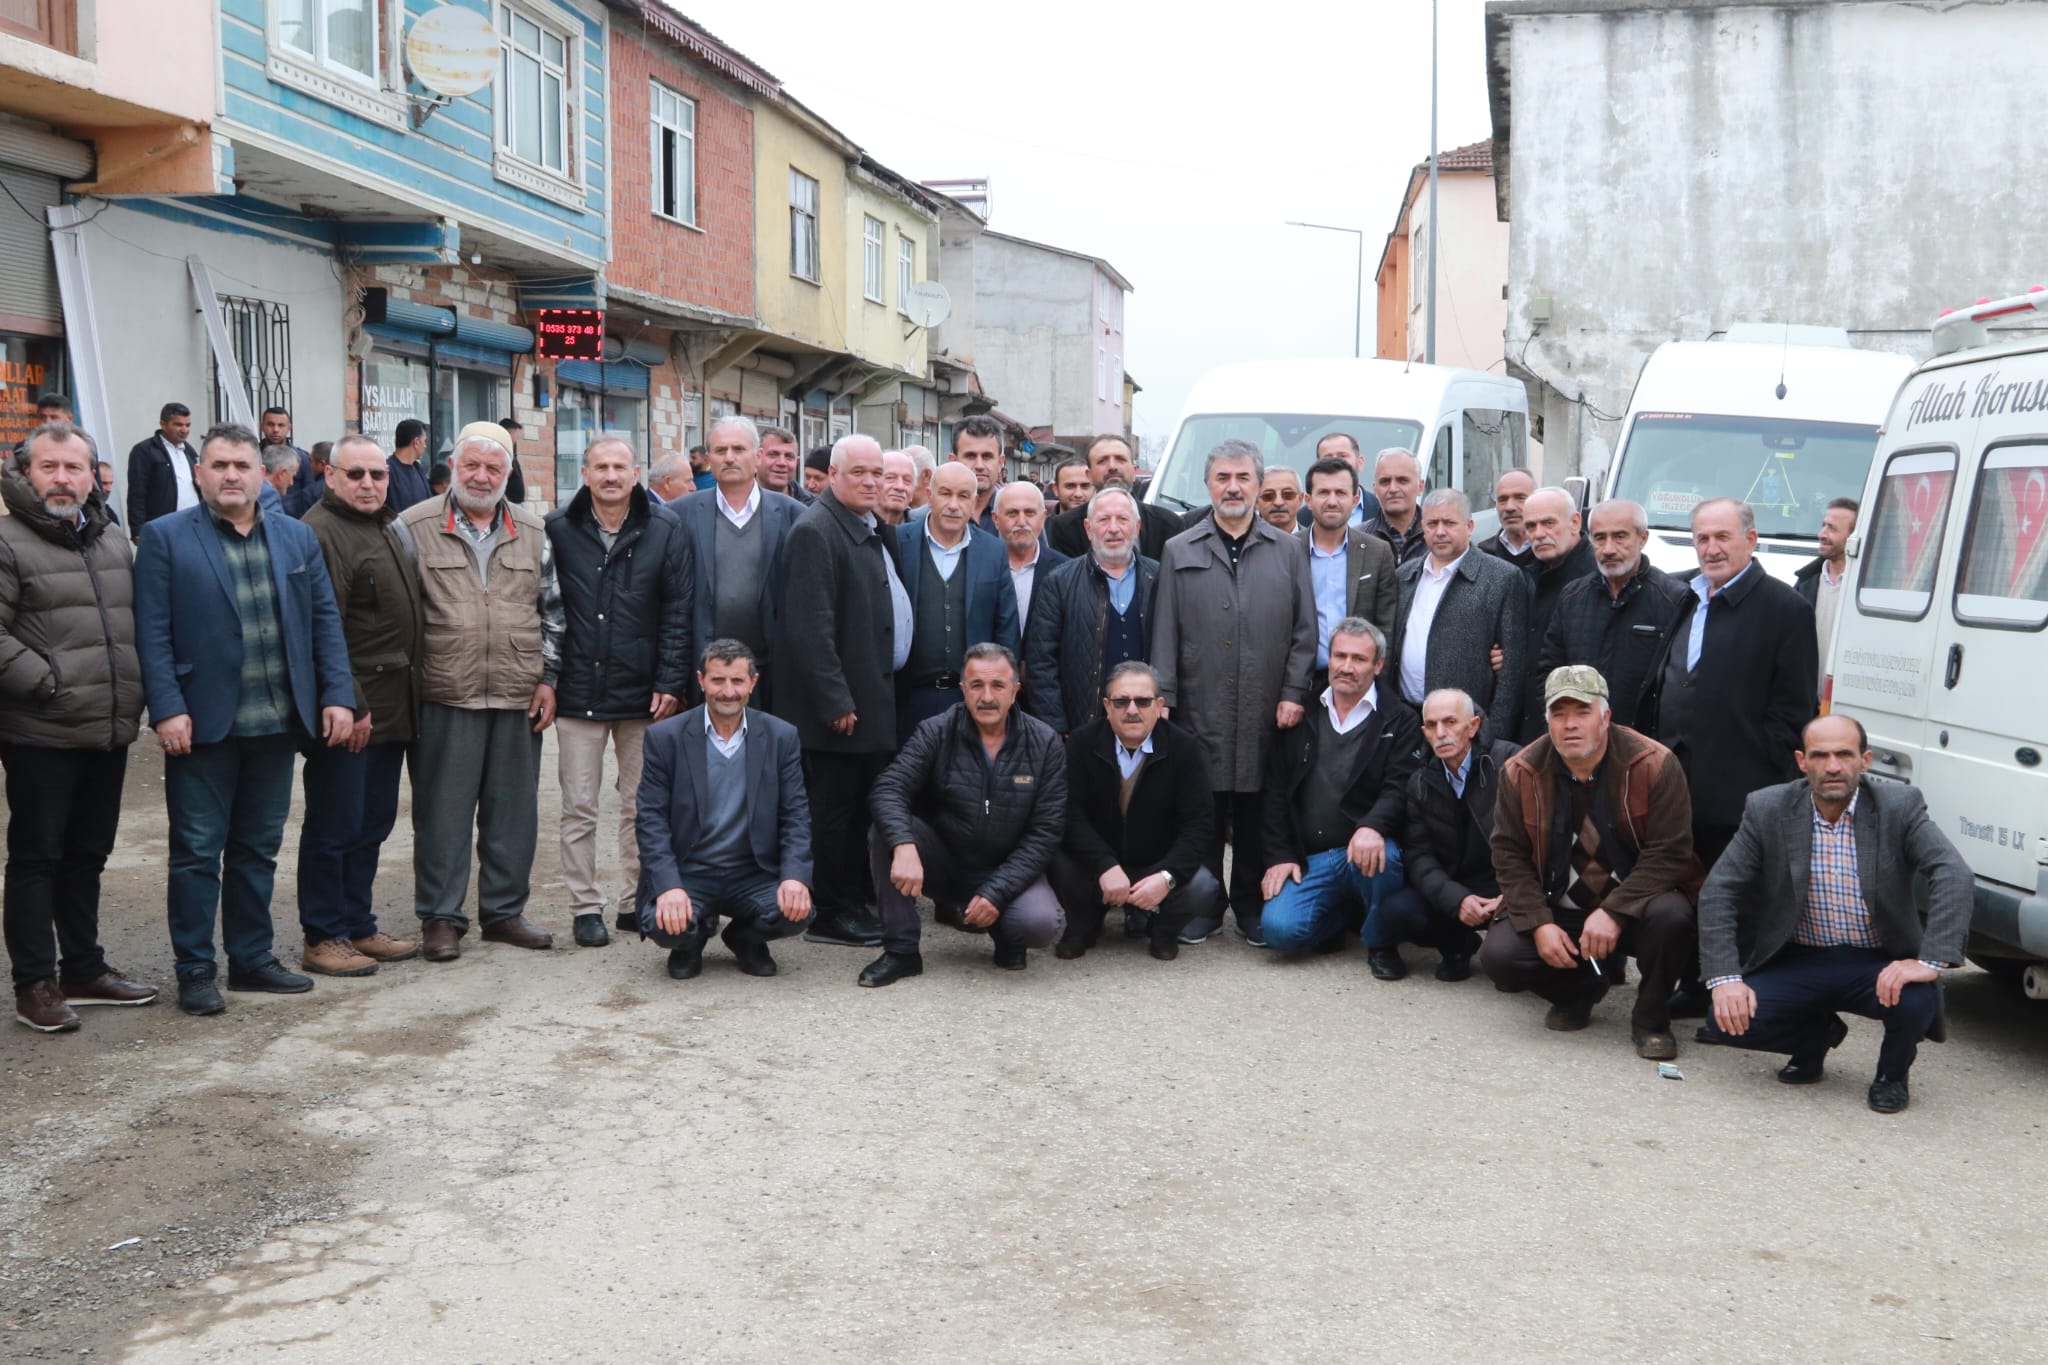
(1835, 912)
(265, 704)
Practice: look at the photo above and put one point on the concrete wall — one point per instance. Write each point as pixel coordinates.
(959, 240)
(1672, 169)
(153, 345)
(789, 306)
(1036, 334)
(875, 331)
(1472, 267)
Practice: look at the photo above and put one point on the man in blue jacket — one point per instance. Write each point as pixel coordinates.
(958, 578)
(243, 661)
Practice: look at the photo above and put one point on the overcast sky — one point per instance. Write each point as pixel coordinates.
(1173, 146)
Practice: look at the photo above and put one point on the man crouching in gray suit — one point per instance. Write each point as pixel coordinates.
(1812, 910)
(723, 824)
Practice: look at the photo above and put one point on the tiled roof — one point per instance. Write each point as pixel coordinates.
(1473, 156)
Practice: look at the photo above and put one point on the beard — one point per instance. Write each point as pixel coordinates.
(474, 505)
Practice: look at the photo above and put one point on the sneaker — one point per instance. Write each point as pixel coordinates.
(42, 1008)
(110, 988)
(1198, 930)
(382, 947)
(1253, 934)
(267, 978)
(589, 931)
(199, 995)
(336, 957)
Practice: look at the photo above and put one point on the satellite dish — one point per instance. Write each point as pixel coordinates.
(927, 304)
(452, 51)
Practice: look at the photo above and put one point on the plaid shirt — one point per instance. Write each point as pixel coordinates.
(265, 705)
(1835, 912)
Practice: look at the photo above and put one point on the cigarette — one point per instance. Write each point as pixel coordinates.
(1594, 963)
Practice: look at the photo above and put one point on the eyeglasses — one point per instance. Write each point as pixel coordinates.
(1133, 703)
(375, 474)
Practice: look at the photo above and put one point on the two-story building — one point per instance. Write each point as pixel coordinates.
(1049, 336)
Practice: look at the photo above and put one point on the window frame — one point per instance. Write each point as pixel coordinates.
(686, 141)
(906, 271)
(874, 233)
(1893, 610)
(319, 56)
(804, 227)
(1984, 472)
(564, 186)
(367, 96)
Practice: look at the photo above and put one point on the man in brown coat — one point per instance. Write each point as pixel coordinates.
(352, 791)
(1234, 638)
(70, 705)
(1592, 844)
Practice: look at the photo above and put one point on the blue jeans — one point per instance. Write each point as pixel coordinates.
(746, 897)
(351, 807)
(227, 803)
(1322, 903)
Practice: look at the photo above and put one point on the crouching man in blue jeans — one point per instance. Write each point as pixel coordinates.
(723, 824)
(1334, 804)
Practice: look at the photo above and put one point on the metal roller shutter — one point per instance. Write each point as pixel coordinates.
(28, 279)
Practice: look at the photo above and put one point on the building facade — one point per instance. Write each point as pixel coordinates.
(1048, 336)
(1471, 271)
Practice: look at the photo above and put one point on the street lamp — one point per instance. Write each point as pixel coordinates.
(1358, 288)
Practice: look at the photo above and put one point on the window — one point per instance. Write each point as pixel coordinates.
(53, 23)
(1101, 299)
(673, 122)
(1493, 444)
(871, 235)
(1787, 471)
(260, 334)
(906, 272)
(1438, 474)
(2004, 578)
(1101, 375)
(1287, 438)
(340, 35)
(1903, 545)
(803, 226)
(537, 94)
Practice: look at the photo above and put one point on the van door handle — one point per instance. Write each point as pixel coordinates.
(1955, 666)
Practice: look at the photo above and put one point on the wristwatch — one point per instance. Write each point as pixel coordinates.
(1171, 884)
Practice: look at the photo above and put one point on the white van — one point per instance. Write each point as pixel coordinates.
(1783, 417)
(1942, 643)
(1471, 424)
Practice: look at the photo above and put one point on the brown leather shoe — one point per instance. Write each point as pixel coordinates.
(514, 929)
(336, 957)
(441, 941)
(110, 988)
(382, 947)
(42, 1008)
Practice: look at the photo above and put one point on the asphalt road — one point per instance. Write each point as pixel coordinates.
(566, 1156)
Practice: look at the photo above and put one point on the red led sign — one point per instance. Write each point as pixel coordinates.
(569, 333)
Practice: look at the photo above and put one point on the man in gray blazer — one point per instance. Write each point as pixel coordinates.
(1458, 605)
(1813, 910)
(723, 824)
(735, 530)
(1351, 569)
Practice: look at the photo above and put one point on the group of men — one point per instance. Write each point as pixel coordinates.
(1540, 752)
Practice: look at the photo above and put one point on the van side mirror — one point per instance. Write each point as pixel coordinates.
(1853, 546)
(1581, 489)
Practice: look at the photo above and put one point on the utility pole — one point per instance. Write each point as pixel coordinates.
(1358, 282)
(1429, 321)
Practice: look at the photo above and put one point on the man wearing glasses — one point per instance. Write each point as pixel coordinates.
(1139, 821)
(352, 791)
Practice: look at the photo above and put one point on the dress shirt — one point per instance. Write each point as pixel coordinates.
(1023, 580)
(726, 747)
(740, 518)
(1457, 775)
(1326, 572)
(946, 558)
(1360, 713)
(181, 470)
(1827, 603)
(1706, 593)
(1430, 587)
(1123, 587)
(1127, 760)
(899, 606)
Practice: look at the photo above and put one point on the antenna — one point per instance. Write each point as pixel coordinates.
(1783, 347)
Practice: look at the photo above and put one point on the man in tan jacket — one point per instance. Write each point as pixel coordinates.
(491, 618)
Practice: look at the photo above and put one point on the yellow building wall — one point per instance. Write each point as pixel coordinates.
(875, 331)
(796, 308)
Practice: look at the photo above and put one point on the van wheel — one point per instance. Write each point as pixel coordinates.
(2006, 969)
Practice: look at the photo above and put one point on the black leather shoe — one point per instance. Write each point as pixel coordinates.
(1010, 959)
(1687, 1005)
(198, 995)
(890, 968)
(1066, 950)
(751, 954)
(1165, 949)
(1454, 967)
(847, 929)
(1889, 1097)
(1654, 1044)
(1386, 964)
(955, 917)
(268, 978)
(626, 922)
(1137, 923)
(589, 931)
(684, 963)
(1569, 1016)
(1797, 1072)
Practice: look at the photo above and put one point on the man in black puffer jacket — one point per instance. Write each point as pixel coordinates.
(1618, 618)
(971, 810)
(627, 580)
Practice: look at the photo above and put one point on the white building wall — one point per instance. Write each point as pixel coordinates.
(1034, 345)
(1674, 168)
(153, 343)
(1472, 268)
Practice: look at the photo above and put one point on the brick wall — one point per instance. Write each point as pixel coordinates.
(711, 265)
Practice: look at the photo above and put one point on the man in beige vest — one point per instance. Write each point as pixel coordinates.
(491, 617)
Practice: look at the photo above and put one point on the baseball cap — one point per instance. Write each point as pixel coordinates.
(1580, 682)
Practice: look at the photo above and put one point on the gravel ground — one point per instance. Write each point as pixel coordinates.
(566, 1156)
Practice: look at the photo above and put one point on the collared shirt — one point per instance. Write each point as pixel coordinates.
(1023, 578)
(1326, 571)
(1123, 587)
(1835, 912)
(946, 558)
(1360, 713)
(265, 705)
(1127, 760)
(1458, 774)
(1430, 587)
(726, 747)
(746, 513)
(181, 470)
(1827, 602)
(899, 605)
(1707, 593)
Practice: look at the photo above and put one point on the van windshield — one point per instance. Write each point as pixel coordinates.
(1284, 438)
(1787, 472)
